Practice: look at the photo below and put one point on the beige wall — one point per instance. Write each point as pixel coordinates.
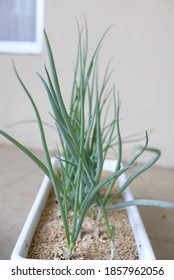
(142, 43)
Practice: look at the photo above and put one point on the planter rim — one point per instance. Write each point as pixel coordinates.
(20, 251)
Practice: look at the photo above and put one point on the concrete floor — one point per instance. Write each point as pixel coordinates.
(19, 183)
(20, 180)
(157, 183)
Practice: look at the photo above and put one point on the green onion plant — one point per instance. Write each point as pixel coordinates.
(86, 137)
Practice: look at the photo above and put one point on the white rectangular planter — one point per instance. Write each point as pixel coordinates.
(20, 251)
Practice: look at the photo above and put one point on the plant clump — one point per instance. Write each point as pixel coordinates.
(86, 137)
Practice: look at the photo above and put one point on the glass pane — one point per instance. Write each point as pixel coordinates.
(18, 20)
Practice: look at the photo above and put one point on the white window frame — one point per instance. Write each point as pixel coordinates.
(28, 47)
